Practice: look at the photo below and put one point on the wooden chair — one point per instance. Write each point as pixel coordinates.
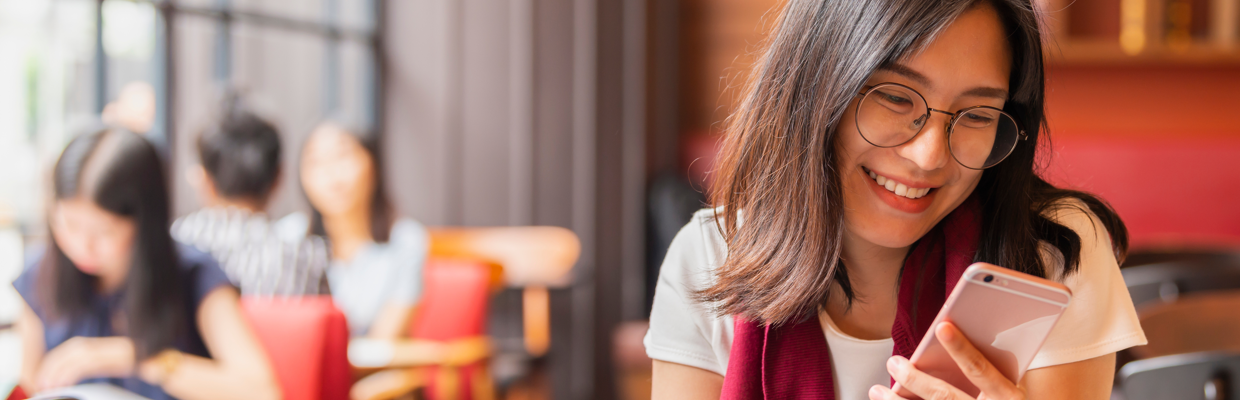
(1193, 323)
(447, 351)
(450, 361)
(533, 258)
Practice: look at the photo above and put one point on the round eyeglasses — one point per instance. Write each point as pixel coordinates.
(979, 137)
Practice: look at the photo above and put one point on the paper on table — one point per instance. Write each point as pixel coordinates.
(90, 391)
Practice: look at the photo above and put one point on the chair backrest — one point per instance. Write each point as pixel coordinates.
(1168, 280)
(1193, 323)
(454, 299)
(307, 340)
(530, 255)
(533, 258)
(1212, 376)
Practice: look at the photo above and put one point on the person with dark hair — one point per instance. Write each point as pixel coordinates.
(240, 158)
(376, 272)
(881, 147)
(113, 299)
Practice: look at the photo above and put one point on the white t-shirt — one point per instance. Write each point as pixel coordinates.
(867, 361)
(1099, 320)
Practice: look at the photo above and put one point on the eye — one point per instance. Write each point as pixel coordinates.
(895, 100)
(977, 119)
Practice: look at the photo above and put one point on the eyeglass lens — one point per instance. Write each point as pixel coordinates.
(891, 115)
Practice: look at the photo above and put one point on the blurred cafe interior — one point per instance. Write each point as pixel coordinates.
(549, 150)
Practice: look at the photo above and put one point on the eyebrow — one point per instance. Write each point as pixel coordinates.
(980, 91)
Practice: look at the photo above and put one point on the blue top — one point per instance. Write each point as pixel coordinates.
(202, 275)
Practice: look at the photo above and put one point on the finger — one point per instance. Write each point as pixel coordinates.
(973, 364)
(921, 383)
(880, 392)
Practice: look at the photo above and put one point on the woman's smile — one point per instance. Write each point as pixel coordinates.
(901, 194)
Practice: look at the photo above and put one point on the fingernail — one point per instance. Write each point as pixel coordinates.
(895, 362)
(875, 393)
(943, 332)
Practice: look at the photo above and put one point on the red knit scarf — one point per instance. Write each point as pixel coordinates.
(791, 361)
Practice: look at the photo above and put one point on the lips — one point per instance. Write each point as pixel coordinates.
(912, 200)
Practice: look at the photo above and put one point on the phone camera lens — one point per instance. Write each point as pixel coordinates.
(988, 278)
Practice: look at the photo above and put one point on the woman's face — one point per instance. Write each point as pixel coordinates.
(336, 172)
(971, 53)
(97, 241)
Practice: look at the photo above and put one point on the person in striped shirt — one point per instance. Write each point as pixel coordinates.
(240, 158)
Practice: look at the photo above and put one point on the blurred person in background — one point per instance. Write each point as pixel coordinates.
(882, 146)
(113, 299)
(375, 275)
(240, 157)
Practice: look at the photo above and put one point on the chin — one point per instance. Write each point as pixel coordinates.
(893, 238)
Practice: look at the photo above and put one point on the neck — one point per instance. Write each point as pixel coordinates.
(247, 205)
(348, 232)
(873, 270)
(873, 273)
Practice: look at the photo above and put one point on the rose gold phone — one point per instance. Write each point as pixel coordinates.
(1005, 314)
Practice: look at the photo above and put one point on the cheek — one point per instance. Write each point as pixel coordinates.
(72, 245)
(117, 248)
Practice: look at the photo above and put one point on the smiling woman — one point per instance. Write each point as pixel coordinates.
(882, 146)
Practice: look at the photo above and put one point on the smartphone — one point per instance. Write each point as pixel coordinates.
(1007, 315)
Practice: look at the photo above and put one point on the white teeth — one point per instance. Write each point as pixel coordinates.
(899, 188)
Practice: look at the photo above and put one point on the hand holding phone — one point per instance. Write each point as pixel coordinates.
(1005, 315)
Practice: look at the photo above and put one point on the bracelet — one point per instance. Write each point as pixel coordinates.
(168, 362)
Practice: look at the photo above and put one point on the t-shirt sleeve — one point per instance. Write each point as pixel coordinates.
(1100, 319)
(410, 242)
(680, 327)
(25, 283)
(205, 273)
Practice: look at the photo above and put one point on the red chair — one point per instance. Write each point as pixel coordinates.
(307, 341)
(452, 313)
(17, 394)
(454, 307)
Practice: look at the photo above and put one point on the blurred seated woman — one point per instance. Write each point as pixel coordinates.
(113, 299)
(376, 270)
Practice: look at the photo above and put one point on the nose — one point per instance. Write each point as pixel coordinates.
(929, 149)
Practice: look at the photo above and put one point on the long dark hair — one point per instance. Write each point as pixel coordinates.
(778, 165)
(382, 215)
(121, 172)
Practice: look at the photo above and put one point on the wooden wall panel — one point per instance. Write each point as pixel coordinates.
(720, 40)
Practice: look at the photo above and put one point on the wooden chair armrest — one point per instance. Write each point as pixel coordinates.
(404, 353)
(388, 384)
